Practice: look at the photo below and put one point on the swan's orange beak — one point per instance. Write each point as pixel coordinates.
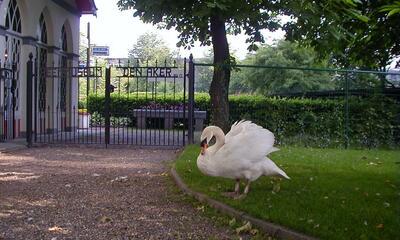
(203, 146)
(203, 149)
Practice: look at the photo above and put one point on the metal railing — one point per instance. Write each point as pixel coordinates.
(355, 108)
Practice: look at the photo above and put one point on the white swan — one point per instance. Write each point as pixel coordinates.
(241, 154)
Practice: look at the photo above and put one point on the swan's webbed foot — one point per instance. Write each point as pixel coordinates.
(240, 196)
(235, 193)
(230, 194)
(245, 192)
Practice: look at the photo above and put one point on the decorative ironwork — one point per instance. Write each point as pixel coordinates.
(12, 63)
(42, 65)
(13, 18)
(6, 110)
(63, 84)
(63, 77)
(76, 72)
(157, 115)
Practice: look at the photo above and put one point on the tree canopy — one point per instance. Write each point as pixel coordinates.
(356, 33)
(150, 47)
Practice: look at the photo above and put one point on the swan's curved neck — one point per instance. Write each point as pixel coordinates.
(219, 139)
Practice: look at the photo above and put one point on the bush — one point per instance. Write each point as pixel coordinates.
(296, 121)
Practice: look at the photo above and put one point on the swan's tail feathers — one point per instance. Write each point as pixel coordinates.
(271, 169)
(282, 174)
(273, 149)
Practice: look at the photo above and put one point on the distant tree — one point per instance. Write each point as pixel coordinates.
(82, 47)
(273, 81)
(151, 47)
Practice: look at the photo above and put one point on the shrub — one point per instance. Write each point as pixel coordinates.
(299, 121)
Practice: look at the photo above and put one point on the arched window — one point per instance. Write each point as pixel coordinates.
(42, 64)
(64, 43)
(13, 18)
(43, 29)
(64, 64)
(13, 51)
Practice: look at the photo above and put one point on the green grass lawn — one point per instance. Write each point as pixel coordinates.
(332, 194)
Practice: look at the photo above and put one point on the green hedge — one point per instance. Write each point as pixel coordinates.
(372, 121)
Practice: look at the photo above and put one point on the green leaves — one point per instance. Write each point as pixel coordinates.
(391, 9)
(192, 18)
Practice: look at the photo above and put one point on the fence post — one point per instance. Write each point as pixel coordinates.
(107, 106)
(346, 106)
(29, 100)
(184, 101)
(191, 100)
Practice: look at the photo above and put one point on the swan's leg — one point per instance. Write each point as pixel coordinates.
(237, 186)
(235, 193)
(247, 188)
(245, 192)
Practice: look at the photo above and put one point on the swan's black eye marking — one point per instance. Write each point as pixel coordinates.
(204, 142)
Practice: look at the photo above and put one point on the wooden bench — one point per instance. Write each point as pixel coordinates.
(169, 116)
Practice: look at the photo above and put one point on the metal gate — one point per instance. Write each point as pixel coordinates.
(128, 103)
(7, 103)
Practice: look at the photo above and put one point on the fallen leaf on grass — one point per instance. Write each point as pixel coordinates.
(379, 226)
(254, 231)
(232, 222)
(276, 188)
(200, 208)
(243, 229)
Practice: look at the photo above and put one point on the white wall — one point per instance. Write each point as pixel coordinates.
(55, 17)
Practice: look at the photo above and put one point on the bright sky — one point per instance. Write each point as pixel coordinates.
(119, 30)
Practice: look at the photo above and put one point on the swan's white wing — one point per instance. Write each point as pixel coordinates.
(235, 130)
(252, 143)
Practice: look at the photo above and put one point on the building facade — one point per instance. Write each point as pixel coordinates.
(48, 29)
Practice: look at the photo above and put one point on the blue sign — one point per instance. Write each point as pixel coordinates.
(100, 51)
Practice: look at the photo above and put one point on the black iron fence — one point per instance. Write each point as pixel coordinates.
(138, 103)
(7, 102)
(130, 103)
(312, 106)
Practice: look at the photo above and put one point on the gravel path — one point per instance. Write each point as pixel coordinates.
(89, 193)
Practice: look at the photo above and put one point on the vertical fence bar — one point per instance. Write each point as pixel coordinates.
(29, 79)
(107, 106)
(346, 127)
(191, 99)
(184, 102)
(35, 99)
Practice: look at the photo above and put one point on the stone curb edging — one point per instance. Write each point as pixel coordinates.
(269, 228)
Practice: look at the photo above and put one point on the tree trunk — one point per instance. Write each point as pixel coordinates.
(219, 88)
